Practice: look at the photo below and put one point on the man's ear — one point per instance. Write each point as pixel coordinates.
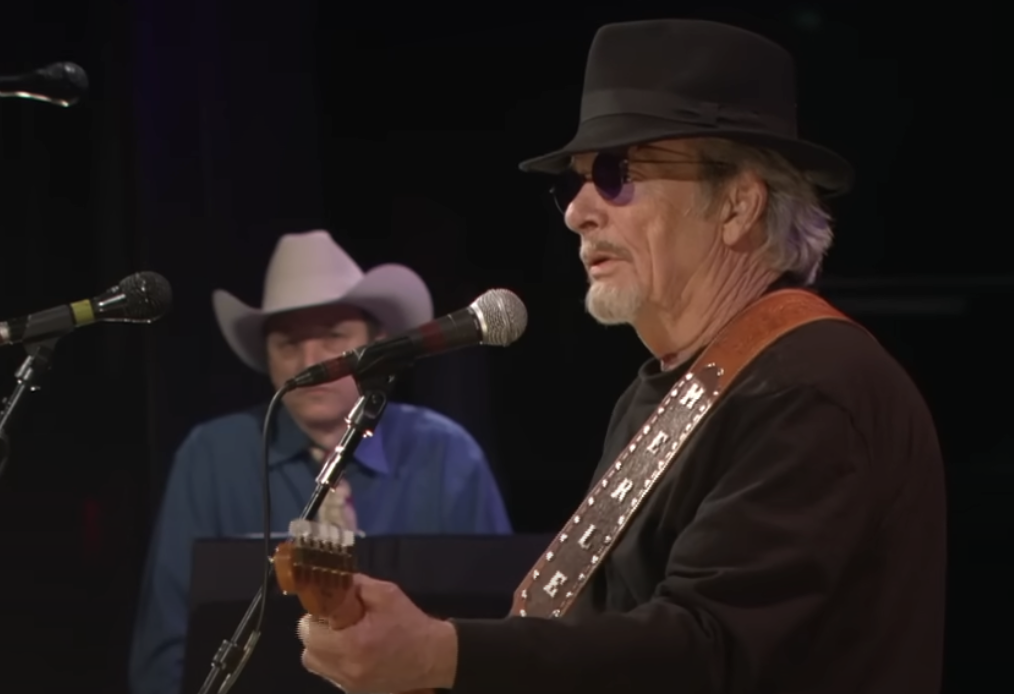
(745, 202)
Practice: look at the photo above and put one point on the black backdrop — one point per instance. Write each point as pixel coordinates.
(213, 127)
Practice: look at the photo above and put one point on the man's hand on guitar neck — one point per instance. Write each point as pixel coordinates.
(395, 647)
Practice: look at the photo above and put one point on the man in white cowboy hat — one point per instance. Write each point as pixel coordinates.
(419, 473)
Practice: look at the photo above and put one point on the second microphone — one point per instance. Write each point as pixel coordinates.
(496, 318)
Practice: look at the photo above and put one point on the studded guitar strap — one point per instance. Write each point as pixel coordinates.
(571, 559)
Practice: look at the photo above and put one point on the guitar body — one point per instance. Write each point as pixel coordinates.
(317, 566)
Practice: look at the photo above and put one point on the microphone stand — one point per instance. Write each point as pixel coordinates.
(232, 655)
(38, 361)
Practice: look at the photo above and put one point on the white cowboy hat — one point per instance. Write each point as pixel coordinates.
(310, 269)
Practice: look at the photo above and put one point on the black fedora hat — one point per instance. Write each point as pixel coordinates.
(673, 78)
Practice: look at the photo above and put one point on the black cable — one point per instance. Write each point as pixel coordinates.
(232, 655)
(266, 498)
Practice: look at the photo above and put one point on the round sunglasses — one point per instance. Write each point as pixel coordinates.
(610, 172)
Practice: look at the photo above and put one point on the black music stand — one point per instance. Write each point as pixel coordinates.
(447, 576)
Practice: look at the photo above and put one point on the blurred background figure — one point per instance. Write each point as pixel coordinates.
(420, 473)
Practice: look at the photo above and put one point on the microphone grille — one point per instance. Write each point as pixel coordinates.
(503, 317)
(76, 76)
(71, 73)
(148, 296)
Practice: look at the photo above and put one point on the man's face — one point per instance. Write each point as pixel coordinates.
(301, 338)
(642, 248)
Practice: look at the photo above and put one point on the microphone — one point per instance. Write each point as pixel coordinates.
(498, 318)
(143, 297)
(60, 83)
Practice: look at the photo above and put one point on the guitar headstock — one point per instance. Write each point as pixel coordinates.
(316, 564)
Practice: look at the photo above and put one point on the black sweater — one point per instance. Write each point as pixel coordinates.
(797, 545)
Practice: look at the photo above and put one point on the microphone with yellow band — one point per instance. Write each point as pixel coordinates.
(140, 298)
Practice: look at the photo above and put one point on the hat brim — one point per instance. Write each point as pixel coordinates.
(393, 294)
(826, 169)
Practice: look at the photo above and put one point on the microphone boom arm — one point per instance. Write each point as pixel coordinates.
(233, 655)
(28, 375)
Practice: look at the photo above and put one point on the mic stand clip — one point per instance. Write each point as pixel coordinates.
(28, 375)
(231, 658)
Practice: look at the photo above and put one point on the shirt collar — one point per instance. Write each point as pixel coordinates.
(289, 442)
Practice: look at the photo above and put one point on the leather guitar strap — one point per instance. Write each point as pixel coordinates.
(571, 559)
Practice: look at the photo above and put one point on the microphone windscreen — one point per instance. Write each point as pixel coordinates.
(503, 317)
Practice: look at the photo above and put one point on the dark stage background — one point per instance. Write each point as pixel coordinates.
(213, 127)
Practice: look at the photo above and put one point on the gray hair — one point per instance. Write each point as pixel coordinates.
(798, 229)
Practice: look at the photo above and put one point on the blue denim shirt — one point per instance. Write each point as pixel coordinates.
(419, 473)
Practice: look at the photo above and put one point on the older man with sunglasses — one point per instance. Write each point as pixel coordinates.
(794, 541)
